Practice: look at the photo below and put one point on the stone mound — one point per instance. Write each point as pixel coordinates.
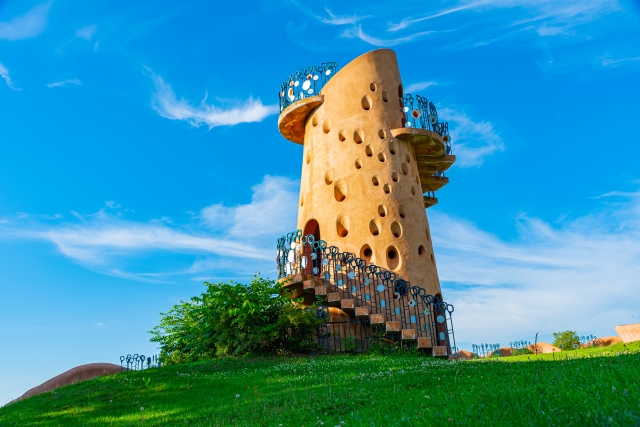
(72, 376)
(543, 347)
(462, 354)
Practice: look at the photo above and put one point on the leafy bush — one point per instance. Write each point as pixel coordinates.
(566, 340)
(233, 319)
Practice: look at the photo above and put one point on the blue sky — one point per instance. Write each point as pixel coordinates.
(140, 157)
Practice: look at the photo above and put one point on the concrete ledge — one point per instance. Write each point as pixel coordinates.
(293, 119)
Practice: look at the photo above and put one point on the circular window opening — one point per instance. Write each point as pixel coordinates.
(433, 260)
(393, 258)
(382, 134)
(392, 146)
(426, 233)
(366, 253)
(395, 177)
(358, 164)
(385, 96)
(342, 225)
(401, 210)
(422, 252)
(302, 201)
(382, 157)
(340, 190)
(387, 189)
(396, 229)
(404, 168)
(382, 211)
(368, 151)
(400, 92)
(358, 136)
(374, 227)
(408, 157)
(366, 102)
(375, 180)
(308, 158)
(413, 190)
(373, 86)
(326, 126)
(341, 136)
(314, 120)
(328, 177)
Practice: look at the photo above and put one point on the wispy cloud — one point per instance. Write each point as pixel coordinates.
(472, 141)
(356, 32)
(340, 20)
(63, 83)
(579, 274)
(407, 22)
(241, 237)
(415, 87)
(610, 62)
(166, 104)
(86, 33)
(26, 26)
(4, 73)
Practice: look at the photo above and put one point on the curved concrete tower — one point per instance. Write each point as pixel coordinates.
(364, 172)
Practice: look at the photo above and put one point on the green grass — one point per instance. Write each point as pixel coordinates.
(357, 390)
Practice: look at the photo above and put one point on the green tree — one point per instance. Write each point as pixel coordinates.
(234, 319)
(566, 340)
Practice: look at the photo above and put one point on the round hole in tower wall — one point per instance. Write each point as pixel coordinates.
(401, 211)
(422, 253)
(328, 177)
(395, 177)
(382, 211)
(382, 157)
(413, 190)
(326, 126)
(393, 258)
(366, 253)
(340, 190)
(358, 164)
(368, 151)
(385, 95)
(392, 146)
(386, 188)
(405, 168)
(358, 136)
(342, 225)
(426, 233)
(375, 180)
(341, 136)
(400, 91)
(373, 86)
(396, 229)
(408, 157)
(433, 260)
(314, 120)
(308, 158)
(366, 102)
(374, 227)
(418, 179)
(382, 134)
(301, 200)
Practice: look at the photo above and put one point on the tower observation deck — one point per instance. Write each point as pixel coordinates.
(373, 158)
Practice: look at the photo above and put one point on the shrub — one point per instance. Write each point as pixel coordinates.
(566, 340)
(233, 319)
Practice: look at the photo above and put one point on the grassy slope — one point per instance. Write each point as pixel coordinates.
(358, 390)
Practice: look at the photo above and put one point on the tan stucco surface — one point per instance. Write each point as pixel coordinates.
(629, 333)
(360, 183)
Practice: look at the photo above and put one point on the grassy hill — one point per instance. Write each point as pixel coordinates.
(365, 390)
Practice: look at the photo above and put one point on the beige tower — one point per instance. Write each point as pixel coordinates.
(364, 172)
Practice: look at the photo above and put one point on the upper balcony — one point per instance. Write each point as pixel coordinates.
(299, 95)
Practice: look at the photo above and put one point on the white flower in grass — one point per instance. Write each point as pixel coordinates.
(142, 408)
(237, 396)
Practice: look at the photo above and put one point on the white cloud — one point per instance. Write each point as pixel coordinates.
(241, 236)
(471, 141)
(63, 83)
(356, 32)
(414, 87)
(168, 106)
(4, 73)
(580, 275)
(340, 20)
(86, 32)
(26, 26)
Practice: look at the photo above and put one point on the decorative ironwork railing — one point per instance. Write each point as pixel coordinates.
(306, 82)
(383, 291)
(138, 362)
(589, 341)
(520, 347)
(484, 350)
(422, 114)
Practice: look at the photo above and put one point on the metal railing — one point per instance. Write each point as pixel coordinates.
(137, 362)
(419, 113)
(306, 82)
(368, 285)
